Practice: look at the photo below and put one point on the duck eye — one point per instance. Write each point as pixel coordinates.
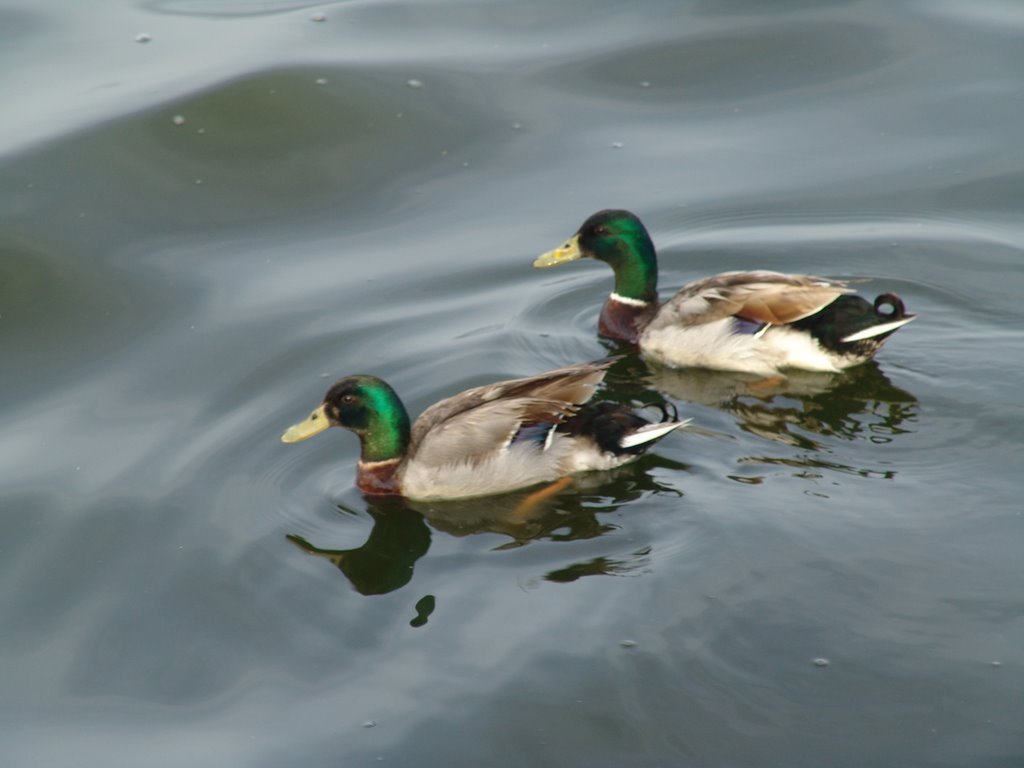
(348, 399)
(600, 230)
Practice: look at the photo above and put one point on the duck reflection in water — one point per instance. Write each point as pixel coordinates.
(789, 409)
(385, 562)
(804, 410)
(401, 532)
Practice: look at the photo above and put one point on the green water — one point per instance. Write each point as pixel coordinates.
(366, 194)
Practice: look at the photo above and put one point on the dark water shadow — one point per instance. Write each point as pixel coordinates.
(800, 408)
(813, 414)
(402, 529)
(820, 418)
(385, 561)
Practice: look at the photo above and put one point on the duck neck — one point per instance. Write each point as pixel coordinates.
(636, 268)
(386, 434)
(624, 319)
(384, 442)
(378, 477)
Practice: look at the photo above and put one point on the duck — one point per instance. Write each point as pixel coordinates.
(760, 321)
(486, 440)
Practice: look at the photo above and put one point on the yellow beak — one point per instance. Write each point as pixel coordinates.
(314, 425)
(566, 253)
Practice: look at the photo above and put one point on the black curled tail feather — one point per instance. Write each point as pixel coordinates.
(664, 407)
(607, 424)
(898, 311)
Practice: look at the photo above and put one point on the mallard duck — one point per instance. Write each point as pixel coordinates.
(486, 440)
(759, 322)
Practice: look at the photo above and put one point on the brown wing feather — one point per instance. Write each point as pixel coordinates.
(769, 297)
(551, 394)
(779, 304)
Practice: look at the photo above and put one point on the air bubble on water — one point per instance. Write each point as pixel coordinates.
(645, 83)
(617, 145)
(178, 120)
(628, 643)
(318, 17)
(517, 126)
(198, 182)
(321, 81)
(369, 724)
(821, 662)
(414, 83)
(143, 37)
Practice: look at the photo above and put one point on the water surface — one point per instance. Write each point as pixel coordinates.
(200, 232)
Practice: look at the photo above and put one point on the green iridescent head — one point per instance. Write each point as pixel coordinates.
(367, 406)
(619, 239)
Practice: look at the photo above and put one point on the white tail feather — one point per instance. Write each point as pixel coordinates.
(650, 432)
(877, 330)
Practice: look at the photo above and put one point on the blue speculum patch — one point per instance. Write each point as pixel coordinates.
(742, 326)
(532, 433)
